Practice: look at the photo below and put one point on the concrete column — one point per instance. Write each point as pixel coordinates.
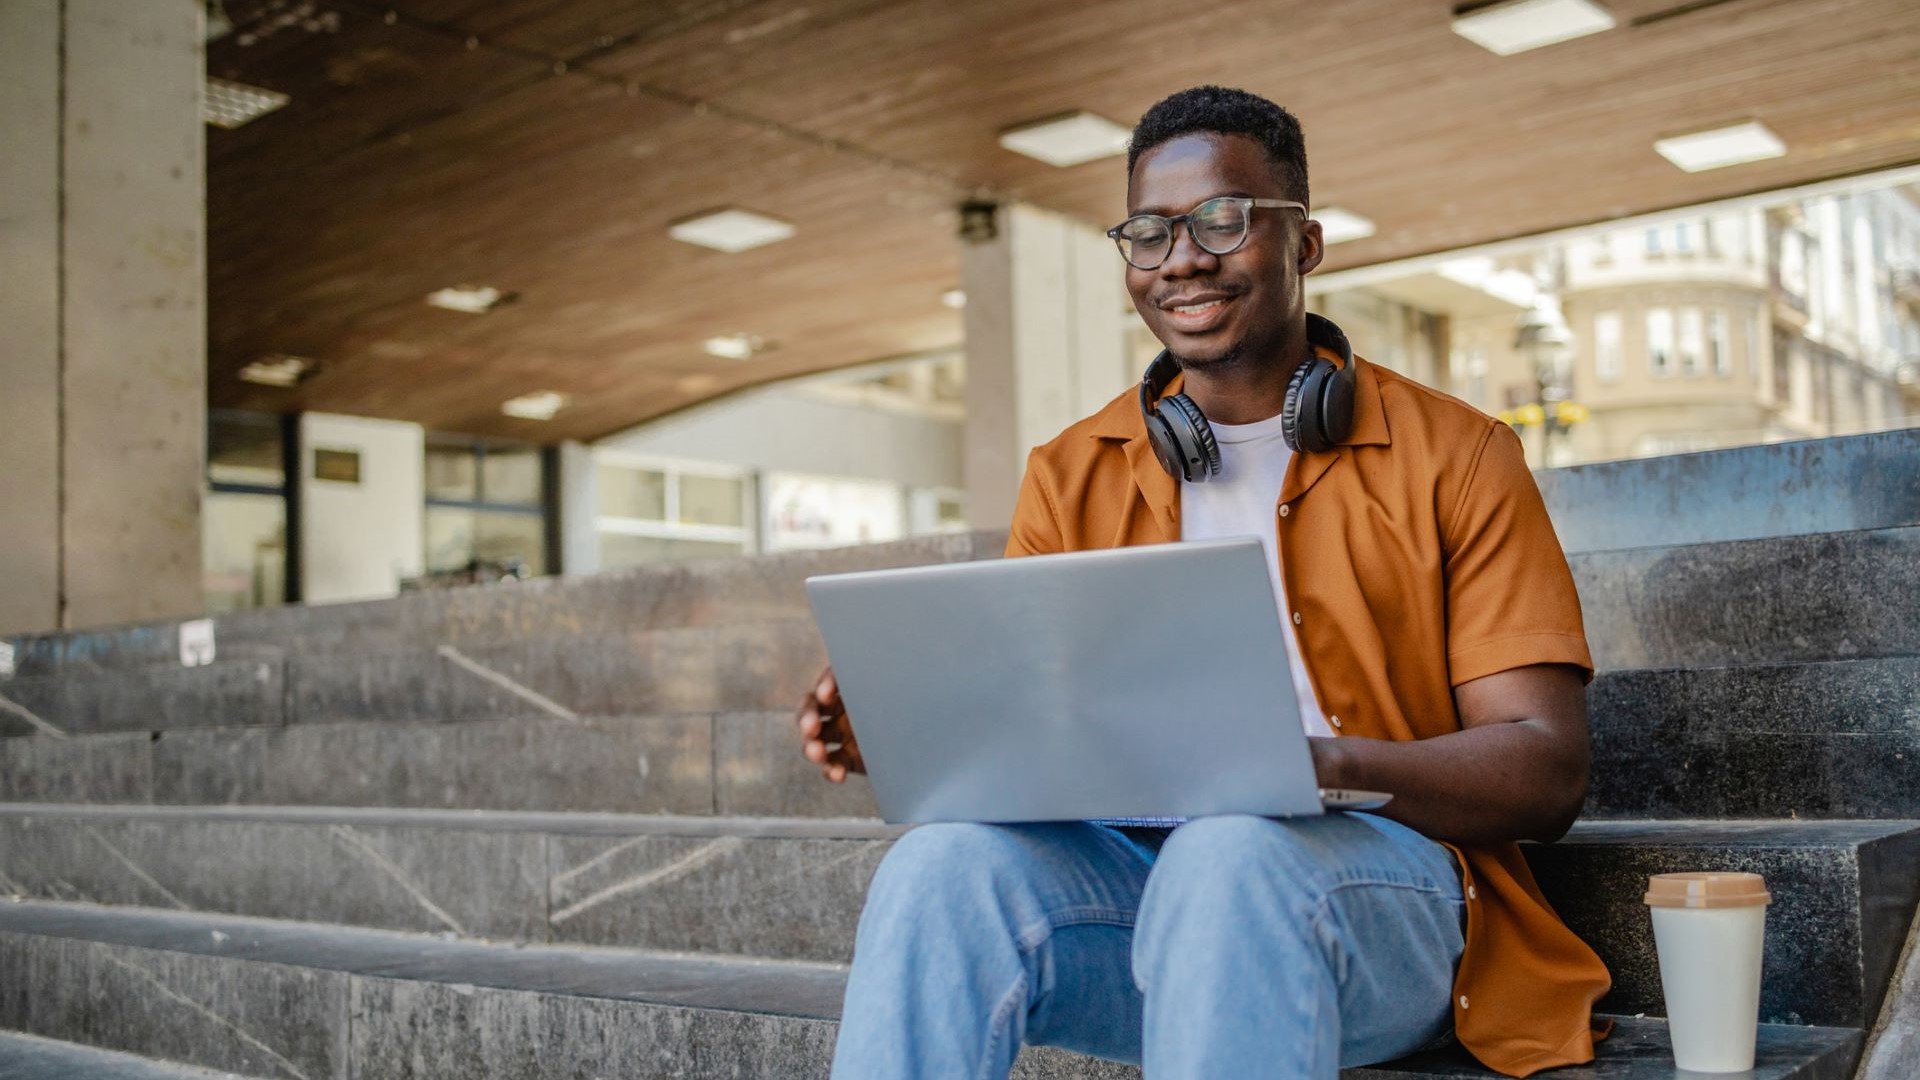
(579, 510)
(1044, 343)
(102, 311)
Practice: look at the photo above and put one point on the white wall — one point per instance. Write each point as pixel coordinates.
(772, 430)
(358, 540)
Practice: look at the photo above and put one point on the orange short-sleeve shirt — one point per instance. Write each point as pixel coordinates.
(1417, 556)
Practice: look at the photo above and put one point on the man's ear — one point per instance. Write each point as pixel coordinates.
(1313, 247)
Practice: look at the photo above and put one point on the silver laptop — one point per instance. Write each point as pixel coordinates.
(1140, 682)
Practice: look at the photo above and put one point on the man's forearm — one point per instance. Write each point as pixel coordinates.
(1486, 784)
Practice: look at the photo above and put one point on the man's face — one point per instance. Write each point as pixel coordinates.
(1238, 304)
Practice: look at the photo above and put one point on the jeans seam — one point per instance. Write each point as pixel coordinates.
(1001, 1020)
(1030, 938)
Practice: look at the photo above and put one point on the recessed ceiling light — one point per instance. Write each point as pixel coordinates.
(231, 104)
(1720, 147)
(954, 298)
(731, 231)
(1514, 26)
(472, 299)
(1337, 226)
(1073, 139)
(539, 405)
(735, 346)
(278, 369)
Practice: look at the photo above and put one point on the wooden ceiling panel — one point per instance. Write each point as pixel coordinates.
(543, 146)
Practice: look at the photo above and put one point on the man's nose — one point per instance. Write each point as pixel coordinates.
(1187, 257)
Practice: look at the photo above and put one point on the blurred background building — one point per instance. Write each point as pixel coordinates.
(321, 299)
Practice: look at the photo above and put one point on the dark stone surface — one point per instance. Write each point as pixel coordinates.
(1744, 493)
(789, 898)
(29, 1057)
(87, 768)
(698, 669)
(483, 884)
(1833, 596)
(420, 1007)
(605, 606)
(759, 771)
(258, 1019)
(652, 764)
(1836, 739)
(1842, 895)
(1893, 1047)
(153, 698)
(1640, 1049)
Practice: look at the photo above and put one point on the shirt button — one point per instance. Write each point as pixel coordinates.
(1334, 720)
(1285, 509)
(1463, 1001)
(1296, 618)
(1472, 894)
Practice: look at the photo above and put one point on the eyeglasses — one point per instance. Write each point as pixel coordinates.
(1219, 226)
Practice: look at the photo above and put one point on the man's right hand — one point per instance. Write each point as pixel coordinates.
(826, 735)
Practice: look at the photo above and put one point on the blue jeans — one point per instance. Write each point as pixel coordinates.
(1234, 946)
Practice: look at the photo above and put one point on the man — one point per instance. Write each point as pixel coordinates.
(1437, 647)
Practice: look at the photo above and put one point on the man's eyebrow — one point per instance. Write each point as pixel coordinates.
(1168, 212)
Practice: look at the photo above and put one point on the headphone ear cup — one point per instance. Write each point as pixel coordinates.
(1290, 411)
(1200, 451)
(1336, 405)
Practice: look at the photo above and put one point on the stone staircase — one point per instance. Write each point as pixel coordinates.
(559, 829)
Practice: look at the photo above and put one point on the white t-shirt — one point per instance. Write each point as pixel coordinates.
(1244, 501)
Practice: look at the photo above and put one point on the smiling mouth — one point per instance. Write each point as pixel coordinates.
(1196, 317)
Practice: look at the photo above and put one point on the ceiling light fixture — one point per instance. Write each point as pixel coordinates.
(471, 299)
(1506, 27)
(731, 231)
(231, 104)
(954, 298)
(1719, 147)
(539, 405)
(1063, 141)
(278, 369)
(735, 346)
(1338, 226)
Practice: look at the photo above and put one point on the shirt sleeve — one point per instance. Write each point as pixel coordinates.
(1036, 525)
(1511, 600)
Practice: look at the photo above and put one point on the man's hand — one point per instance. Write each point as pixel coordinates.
(826, 735)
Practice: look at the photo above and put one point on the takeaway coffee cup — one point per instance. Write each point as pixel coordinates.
(1709, 928)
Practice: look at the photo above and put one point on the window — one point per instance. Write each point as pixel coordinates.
(1606, 346)
(1660, 342)
(1683, 236)
(826, 511)
(661, 511)
(484, 507)
(243, 533)
(1693, 345)
(1719, 351)
(1653, 241)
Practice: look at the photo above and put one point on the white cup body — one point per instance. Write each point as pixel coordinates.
(1710, 971)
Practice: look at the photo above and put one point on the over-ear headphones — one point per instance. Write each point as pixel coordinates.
(1317, 414)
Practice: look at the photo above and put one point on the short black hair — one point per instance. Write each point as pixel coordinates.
(1222, 110)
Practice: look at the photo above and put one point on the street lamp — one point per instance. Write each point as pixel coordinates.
(1544, 338)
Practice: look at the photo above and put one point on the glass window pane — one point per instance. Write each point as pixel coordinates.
(633, 493)
(511, 476)
(458, 537)
(245, 450)
(619, 549)
(243, 542)
(818, 511)
(712, 500)
(449, 535)
(451, 474)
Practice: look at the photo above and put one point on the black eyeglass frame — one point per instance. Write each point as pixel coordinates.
(1247, 206)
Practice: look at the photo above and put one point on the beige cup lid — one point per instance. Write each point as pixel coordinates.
(1707, 889)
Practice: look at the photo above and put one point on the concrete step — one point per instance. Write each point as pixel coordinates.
(606, 606)
(1743, 493)
(792, 888)
(1839, 739)
(311, 1000)
(695, 763)
(29, 1057)
(1831, 596)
